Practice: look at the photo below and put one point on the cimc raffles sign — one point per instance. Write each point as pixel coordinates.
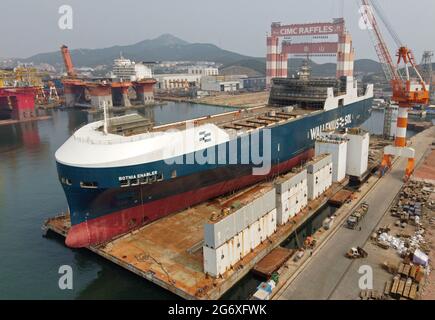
(307, 29)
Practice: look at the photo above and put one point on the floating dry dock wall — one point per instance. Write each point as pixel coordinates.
(319, 175)
(170, 251)
(291, 195)
(337, 147)
(357, 152)
(244, 223)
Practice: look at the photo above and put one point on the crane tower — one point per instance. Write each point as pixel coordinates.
(407, 91)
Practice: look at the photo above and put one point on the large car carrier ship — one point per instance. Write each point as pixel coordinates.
(121, 173)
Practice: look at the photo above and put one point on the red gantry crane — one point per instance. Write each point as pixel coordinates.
(407, 91)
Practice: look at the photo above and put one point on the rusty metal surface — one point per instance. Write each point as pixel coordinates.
(340, 197)
(235, 201)
(272, 262)
(59, 224)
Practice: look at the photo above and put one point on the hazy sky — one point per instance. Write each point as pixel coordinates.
(31, 26)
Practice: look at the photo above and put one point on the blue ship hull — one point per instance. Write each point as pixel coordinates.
(99, 214)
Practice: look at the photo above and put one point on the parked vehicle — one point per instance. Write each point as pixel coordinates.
(356, 253)
(356, 216)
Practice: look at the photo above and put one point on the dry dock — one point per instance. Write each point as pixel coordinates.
(168, 252)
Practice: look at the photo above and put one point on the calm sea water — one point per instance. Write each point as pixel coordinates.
(31, 193)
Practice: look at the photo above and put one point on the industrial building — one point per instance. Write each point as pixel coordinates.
(177, 81)
(203, 70)
(222, 83)
(254, 83)
(125, 69)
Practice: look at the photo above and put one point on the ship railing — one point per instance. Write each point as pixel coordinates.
(112, 140)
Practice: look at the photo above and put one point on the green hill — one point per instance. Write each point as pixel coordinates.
(170, 48)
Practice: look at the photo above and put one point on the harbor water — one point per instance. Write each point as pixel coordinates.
(30, 193)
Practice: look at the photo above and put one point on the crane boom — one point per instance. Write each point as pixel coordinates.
(379, 43)
(407, 92)
(68, 62)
